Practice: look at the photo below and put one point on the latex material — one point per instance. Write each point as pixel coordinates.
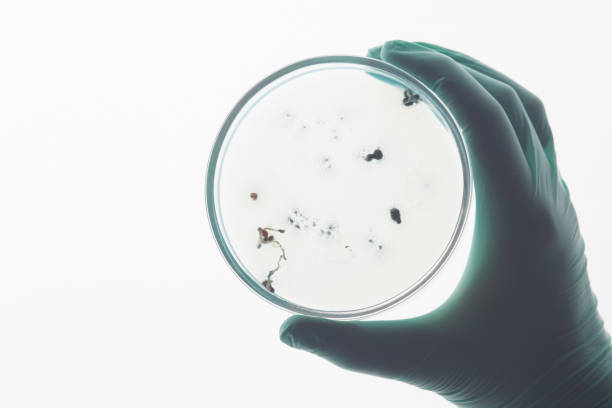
(522, 327)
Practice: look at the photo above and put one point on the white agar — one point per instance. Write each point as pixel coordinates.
(302, 149)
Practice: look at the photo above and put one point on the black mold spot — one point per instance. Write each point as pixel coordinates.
(376, 154)
(395, 215)
(410, 97)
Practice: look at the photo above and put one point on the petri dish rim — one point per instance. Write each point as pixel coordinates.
(402, 78)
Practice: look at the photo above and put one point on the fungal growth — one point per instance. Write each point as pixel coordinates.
(326, 163)
(376, 155)
(376, 245)
(410, 98)
(299, 220)
(329, 231)
(265, 237)
(395, 215)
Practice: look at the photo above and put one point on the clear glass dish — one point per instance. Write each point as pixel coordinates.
(338, 186)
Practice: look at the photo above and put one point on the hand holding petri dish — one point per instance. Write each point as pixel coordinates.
(338, 186)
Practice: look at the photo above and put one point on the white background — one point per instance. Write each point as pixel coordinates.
(112, 290)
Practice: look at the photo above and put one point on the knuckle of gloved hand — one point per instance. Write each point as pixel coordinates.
(534, 106)
(440, 60)
(438, 65)
(507, 95)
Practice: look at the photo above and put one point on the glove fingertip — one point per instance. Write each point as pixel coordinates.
(285, 331)
(301, 332)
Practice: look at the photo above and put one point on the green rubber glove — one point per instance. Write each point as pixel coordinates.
(522, 327)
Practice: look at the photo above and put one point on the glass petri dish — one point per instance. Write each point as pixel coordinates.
(338, 186)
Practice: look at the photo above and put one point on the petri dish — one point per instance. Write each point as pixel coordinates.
(338, 186)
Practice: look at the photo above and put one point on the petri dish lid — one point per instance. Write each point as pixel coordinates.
(338, 186)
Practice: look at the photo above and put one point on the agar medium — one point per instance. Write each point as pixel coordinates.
(338, 186)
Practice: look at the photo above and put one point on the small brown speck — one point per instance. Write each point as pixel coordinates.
(253, 196)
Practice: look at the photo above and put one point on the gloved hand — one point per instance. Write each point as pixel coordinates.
(522, 327)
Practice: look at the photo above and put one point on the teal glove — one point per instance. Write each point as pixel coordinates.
(522, 327)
